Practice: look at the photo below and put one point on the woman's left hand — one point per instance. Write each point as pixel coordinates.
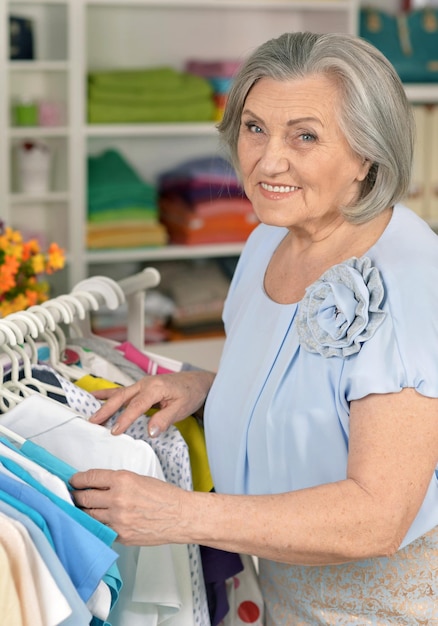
(140, 509)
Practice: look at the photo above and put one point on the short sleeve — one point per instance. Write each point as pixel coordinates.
(403, 351)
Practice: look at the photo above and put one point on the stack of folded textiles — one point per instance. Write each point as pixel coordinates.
(122, 208)
(201, 201)
(220, 75)
(159, 94)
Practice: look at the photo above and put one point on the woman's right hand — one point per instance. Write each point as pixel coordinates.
(175, 396)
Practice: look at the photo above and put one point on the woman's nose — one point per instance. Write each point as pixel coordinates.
(274, 159)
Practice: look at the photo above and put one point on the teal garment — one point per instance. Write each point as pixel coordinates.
(61, 469)
(31, 513)
(84, 556)
(99, 530)
(80, 614)
(45, 459)
(282, 412)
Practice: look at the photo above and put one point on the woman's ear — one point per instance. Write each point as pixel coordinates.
(364, 169)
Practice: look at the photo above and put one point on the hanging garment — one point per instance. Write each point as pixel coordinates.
(53, 607)
(173, 455)
(13, 543)
(80, 614)
(85, 557)
(158, 585)
(10, 609)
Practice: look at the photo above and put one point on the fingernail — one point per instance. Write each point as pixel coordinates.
(154, 430)
(115, 429)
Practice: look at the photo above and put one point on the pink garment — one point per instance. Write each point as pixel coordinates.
(135, 355)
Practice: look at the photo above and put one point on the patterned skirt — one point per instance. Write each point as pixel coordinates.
(401, 590)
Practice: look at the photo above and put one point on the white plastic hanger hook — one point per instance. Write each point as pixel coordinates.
(43, 313)
(76, 307)
(86, 297)
(60, 312)
(111, 293)
(33, 324)
(13, 331)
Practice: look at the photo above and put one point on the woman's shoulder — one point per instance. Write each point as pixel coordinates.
(405, 234)
(407, 253)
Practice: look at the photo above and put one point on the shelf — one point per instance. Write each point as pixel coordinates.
(52, 197)
(423, 93)
(165, 253)
(39, 66)
(296, 5)
(37, 2)
(21, 132)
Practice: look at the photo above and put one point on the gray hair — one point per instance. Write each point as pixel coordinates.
(375, 117)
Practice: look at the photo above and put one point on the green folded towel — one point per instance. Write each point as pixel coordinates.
(123, 213)
(197, 111)
(189, 87)
(113, 182)
(164, 77)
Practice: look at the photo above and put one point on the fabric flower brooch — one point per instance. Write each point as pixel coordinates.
(341, 309)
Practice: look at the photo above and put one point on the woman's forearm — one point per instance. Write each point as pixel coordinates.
(332, 523)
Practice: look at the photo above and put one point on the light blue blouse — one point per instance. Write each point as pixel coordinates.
(277, 416)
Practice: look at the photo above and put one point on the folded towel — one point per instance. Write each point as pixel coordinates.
(196, 111)
(189, 88)
(123, 213)
(113, 182)
(162, 77)
(126, 235)
(201, 179)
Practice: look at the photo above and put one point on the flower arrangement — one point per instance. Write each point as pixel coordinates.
(342, 309)
(22, 266)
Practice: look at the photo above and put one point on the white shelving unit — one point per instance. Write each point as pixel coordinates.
(73, 37)
(46, 78)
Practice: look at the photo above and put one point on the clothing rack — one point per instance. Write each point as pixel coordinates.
(27, 398)
(74, 309)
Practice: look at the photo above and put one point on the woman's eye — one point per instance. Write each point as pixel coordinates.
(253, 128)
(307, 137)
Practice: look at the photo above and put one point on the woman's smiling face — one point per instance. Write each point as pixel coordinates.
(296, 165)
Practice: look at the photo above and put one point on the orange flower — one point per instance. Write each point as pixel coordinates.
(33, 297)
(56, 259)
(8, 273)
(22, 263)
(30, 248)
(37, 262)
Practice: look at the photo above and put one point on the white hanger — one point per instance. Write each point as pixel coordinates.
(59, 311)
(20, 360)
(12, 331)
(82, 327)
(70, 372)
(76, 307)
(33, 324)
(105, 288)
(91, 302)
(44, 314)
(8, 399)
(11, 435)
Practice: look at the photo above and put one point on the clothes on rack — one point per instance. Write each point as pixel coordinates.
(155, 592)
(45, 401)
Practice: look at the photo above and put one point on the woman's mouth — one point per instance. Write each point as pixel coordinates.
(278, 188)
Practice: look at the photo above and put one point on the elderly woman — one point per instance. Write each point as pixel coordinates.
(322, 421)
